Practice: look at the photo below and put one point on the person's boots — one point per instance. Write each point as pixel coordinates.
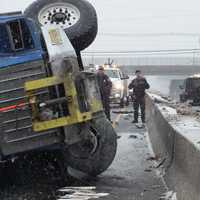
(143, 123)
(135, 121)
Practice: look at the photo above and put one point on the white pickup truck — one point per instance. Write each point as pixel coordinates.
(120, 92)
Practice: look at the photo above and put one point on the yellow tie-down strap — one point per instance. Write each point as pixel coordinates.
(75, 115)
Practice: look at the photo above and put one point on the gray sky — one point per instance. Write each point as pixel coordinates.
(132, 17)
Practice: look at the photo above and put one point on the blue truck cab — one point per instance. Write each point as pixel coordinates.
(18, 48)
(21, 60)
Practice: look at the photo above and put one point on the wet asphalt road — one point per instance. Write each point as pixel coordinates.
(131, 176)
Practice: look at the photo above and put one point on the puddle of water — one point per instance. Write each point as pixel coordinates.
(79, 193)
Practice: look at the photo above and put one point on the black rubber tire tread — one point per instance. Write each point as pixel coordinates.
(105, 153)
(83, 33)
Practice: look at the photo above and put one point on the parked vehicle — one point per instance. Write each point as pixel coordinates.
(191, 90)
(120, 91)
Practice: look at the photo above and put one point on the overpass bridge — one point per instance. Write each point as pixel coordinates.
(162, 69)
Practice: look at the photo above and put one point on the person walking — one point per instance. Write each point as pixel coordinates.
(139, 85)
(105, 86)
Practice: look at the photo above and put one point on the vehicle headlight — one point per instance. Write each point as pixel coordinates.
(117, 95)
(118, 86)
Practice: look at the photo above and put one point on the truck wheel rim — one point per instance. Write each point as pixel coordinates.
(85, 148)
(64, 15)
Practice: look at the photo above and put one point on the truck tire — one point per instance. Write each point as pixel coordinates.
(103, 155)
(77, 17)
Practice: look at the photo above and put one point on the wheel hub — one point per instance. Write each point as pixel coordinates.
(62, 14)
(86, 147)
(59, 17)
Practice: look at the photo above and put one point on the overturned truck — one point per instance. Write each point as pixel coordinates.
(47, 101)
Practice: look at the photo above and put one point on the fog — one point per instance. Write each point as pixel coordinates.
(139, 18)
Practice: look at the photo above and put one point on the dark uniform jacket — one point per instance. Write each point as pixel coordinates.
(105, 85)
(139, 85)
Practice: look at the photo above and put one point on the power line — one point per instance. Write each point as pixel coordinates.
(196, 50)
(150, 17)
(146, 54)
(139, 54)
(149, 34)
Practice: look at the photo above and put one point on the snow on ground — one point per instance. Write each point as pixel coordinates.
(158, 98)
(182, 117)
(169, 196)
(80, 193)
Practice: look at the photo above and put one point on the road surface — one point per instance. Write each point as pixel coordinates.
(131, 176)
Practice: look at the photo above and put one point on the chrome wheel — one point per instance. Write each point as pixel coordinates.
(77, 18)
(64, 15)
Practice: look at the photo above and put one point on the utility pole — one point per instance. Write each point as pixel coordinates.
(110, 62)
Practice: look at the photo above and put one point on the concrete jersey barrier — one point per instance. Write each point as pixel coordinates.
(176, 141)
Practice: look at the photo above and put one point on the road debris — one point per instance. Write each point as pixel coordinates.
(156, 186)
(79, 193)
(153, 158)
(157, 98)
(169, 196)
(148, 170)
(181, 108)
(184, 109)
(133, 136)
(161, 163)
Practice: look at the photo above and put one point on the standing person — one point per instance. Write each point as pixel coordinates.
(105, 86)
(139, 85)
